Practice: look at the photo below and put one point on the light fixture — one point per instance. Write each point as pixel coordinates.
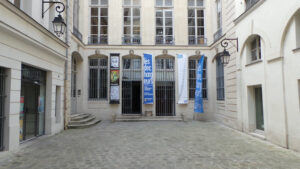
(59, 25)
(225, 55)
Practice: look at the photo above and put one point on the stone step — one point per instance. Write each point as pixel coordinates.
(85, 125)
(143, 118)
(80, 117)
(82, 121)
(76, 115)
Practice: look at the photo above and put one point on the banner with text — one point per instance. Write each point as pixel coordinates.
(148, 79)
(182, 79)
(198, 93)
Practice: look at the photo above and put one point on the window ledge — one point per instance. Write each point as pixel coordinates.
(296, 50)
(254, 62)
(248, 11)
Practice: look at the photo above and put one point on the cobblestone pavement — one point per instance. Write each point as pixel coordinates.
(152, 145)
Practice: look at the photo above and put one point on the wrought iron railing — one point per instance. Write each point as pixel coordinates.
(97, 40)
(131, 40)
(218, 34)
(167, 40)
(77, 33)
(200, 40)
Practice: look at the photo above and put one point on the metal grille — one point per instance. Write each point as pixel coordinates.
(2, 97)
(131, 86)
(98, 78)
(220, 80)
(74, 77)
(165, 87)
(192, 78)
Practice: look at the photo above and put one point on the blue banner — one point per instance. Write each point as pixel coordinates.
(198, 93)
(148, 79)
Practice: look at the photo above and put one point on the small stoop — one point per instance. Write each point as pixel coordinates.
(83, 120)
(137, 118)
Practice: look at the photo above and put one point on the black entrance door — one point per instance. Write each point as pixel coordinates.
(2, 97)
(131, 97)
(165, 98)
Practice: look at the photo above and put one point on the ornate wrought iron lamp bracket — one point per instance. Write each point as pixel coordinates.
(59, 9)
(225, 43)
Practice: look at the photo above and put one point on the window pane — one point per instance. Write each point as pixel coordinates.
(200, 22)
(191, 31)
(93, 62)
(168, 22)
(159, 22)
(104, 21)
(191, 22)
(136, 30)
(136, 3)
(104, 12)
(168, 14)
(103, 30)
(159, 14)
(191, 13)
(136, 21)
(200, 31)
(199, 2)
(169, 31)
(168, 2)
(104, 2)
(94, 2)
(94, 29)
(159, 31)
(191, 2)
(94, 11)
(159, 2)
(127, 30)
(200, 13)
(127, 12)
(127, 21)
(127, 2)
(94, 20)
(136, 12)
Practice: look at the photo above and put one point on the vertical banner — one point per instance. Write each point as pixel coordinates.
(148, 79)
(198, 93)
(114, 78)
(182, 79)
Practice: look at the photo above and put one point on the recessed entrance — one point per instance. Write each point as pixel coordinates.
(259, 109)
(32, 108)
(2, 97)
(131, 86)
(165, 87)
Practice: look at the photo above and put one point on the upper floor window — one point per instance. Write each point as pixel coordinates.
(131, 21)
(99, 22)
(98, 78)
(164, 22)
(220, 79)
(75, 13)
(193, 65)
(196, 22)
(250, 3)
(255, 48)
(219, 32)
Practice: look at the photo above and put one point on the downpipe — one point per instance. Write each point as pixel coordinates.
(66, 68)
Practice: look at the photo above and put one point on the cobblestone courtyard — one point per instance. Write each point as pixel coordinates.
(151, 145)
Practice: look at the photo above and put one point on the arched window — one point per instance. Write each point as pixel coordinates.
(98, 78)
(193, 64)
(255, 48)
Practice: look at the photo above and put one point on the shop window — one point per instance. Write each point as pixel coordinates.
(193, 64)
(98, 78)
(58, 104)
(220, 80)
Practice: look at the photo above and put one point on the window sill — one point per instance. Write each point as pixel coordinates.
(254, 62)
(248, 11)
(296, 50)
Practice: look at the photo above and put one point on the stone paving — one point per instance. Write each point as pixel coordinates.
(152, 145)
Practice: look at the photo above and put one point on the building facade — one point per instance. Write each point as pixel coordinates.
(98, 65)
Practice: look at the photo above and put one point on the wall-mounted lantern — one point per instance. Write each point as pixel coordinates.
(59, 25)
(225, 55)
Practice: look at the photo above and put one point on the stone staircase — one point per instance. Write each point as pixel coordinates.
(84, 120)
(137, 118)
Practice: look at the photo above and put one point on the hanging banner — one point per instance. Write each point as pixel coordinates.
(182, 79)
(148, 79)
(198, 93)
(114, 78)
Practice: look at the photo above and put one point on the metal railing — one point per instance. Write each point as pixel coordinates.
(200, 40)
(167, 40)
(218, 34)
(97, 40)
(131, 40)
(77, 33)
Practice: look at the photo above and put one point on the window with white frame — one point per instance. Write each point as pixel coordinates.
(131, 21)
(164, 22)
(220, 79)
(218, 34)
(255, 47)
(98, 78)
(193, 65)
(99, 22)
(196, 22)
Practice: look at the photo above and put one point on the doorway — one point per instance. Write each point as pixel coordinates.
(131, 86)
(32, 108)
(259, 109)
(165, 87)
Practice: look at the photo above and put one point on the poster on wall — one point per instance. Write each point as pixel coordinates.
(148, 79)
(198, 93)
(114, 78)
(182, 79)
(21, 117)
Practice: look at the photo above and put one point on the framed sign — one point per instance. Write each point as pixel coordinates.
(114, 78)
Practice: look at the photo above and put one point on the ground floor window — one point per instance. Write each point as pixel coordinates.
(2, 97)
(193, 64)
(220, 80)
(32, 108)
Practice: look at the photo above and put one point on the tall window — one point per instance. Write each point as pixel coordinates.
(196, 22)
(131, 20)
(193, 64)
(220, 80)
(98, 78)
(75, 13)
(99, 22)
(219, 32)
(164, 22)
(256, 49)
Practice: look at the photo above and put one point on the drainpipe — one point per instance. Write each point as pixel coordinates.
(66, 67)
